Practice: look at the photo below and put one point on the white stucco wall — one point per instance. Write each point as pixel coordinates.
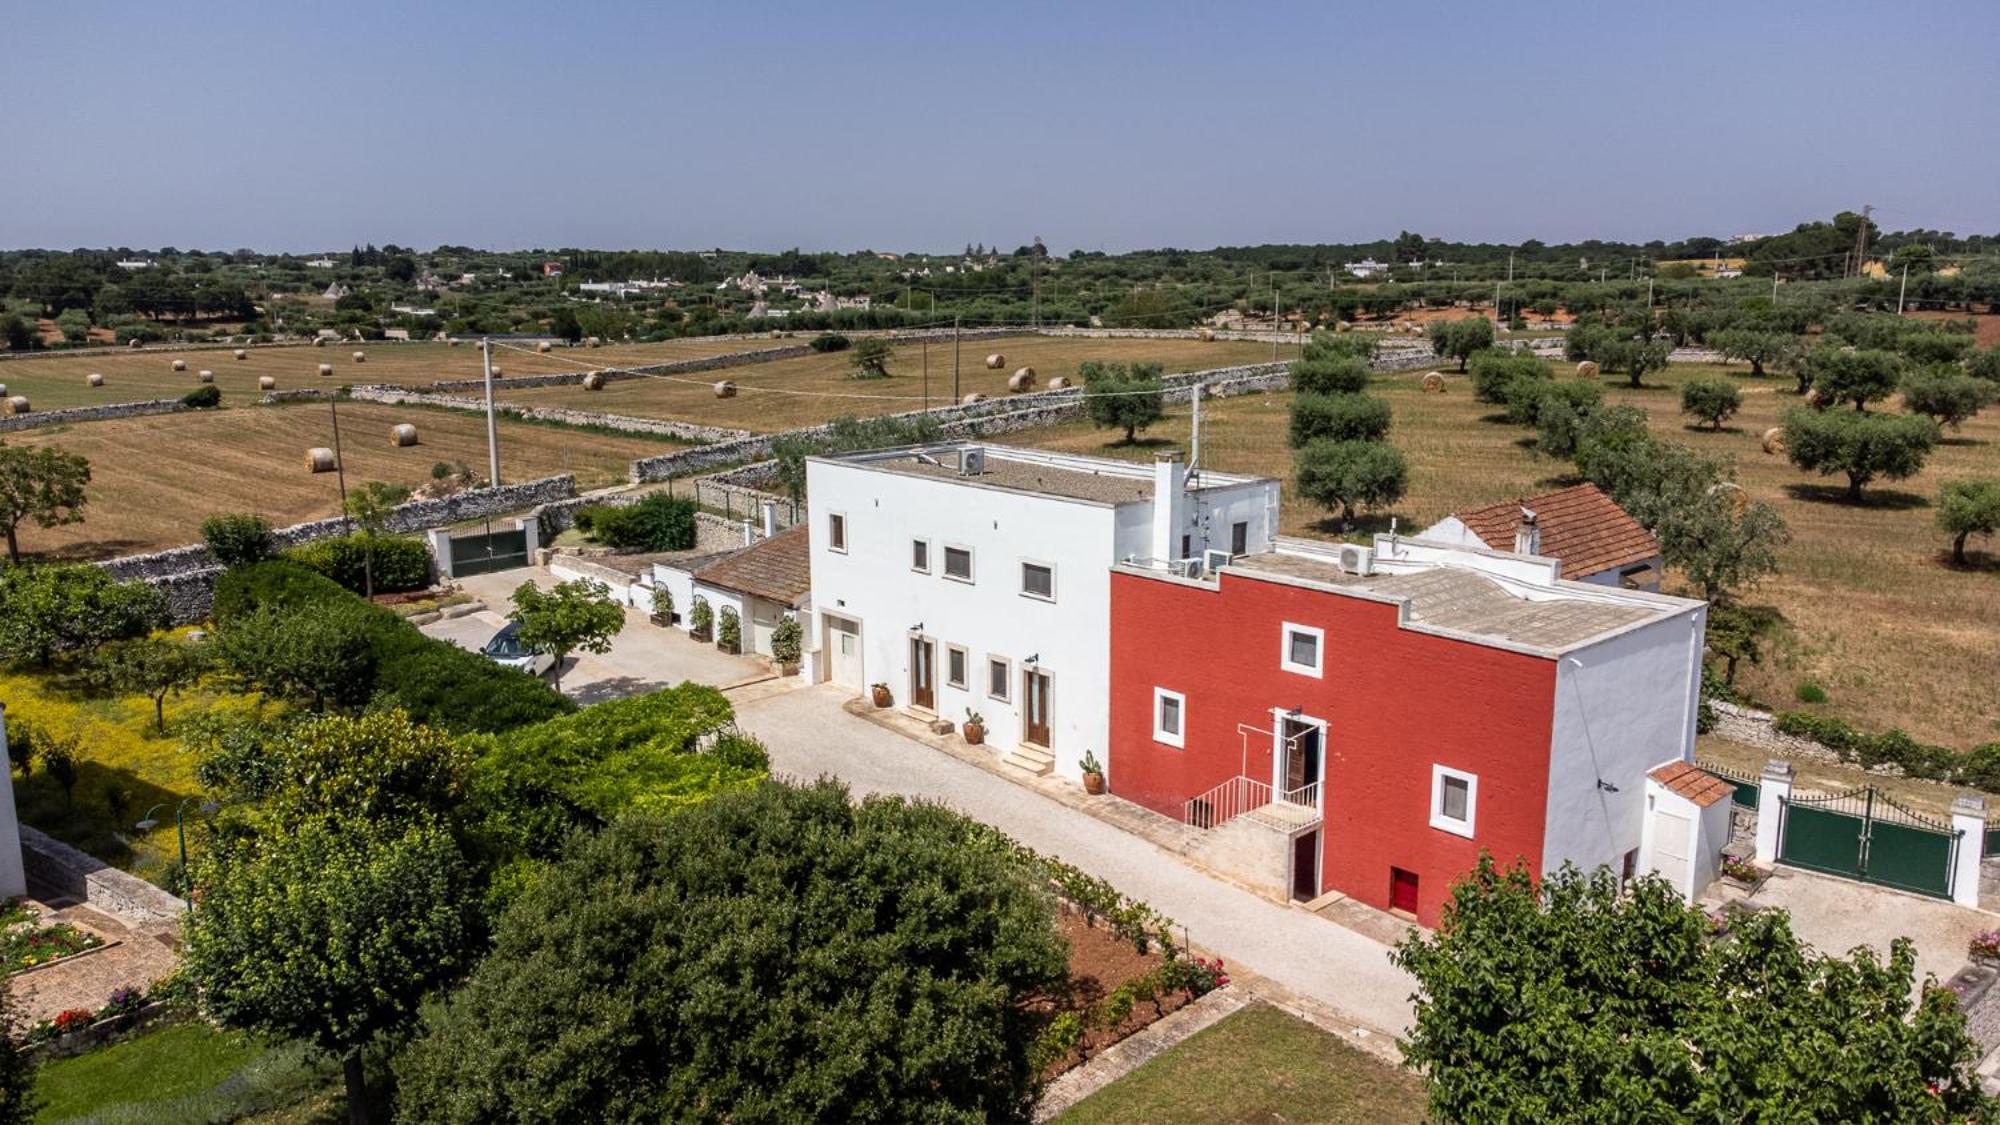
(1707, 834)
(717, 600)
(680, 583)
(13, 876)
(1623, 706)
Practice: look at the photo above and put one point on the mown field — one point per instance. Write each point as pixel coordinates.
(154, 479)
(791, 393)
(1875, 616)
(59, 380)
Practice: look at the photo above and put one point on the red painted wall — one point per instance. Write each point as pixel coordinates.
(1394, 701)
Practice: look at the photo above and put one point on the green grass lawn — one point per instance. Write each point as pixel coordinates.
(1262, 1065)
(185, 1072)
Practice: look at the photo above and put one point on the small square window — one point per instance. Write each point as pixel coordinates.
(920, 555)
(955, 663)
(1301, 649)
(836, 532)
(1038, 581)
(1169, 717)
(1454, 800)
(999, 674)
(958, 563)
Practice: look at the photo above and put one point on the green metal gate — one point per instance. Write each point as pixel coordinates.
(483, 554)
(1862, 834)
(1744, 795)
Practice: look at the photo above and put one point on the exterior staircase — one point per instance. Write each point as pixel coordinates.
(1031, 759)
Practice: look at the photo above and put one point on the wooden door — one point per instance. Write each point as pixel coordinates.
(1402, 890)
(923, 673)
(1305, 867)
(1301, 754)
(1035, 707)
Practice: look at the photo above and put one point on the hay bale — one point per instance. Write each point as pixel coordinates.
(3, 390)
(777, 335)
(1208, 335)
(725, 389)
(496, 371)
(242, 353)
(319, 341)
(94, 379)
(135, 342)
(402, 435)
(1433, 383)
(361, 357)
(542, 347)
(1732, 492)
(1815, 398)
(1587, 369)
(266, 383)
(180, 365)
(325, 369)
(204, 376)
(1022, 380)
(593, 380)
(17, 404)
(592, 342)
(452, 342)
(975, 396)
(319, 459)
(1774, 440)
(1057, 382)
(995, 362)
(1342, 326)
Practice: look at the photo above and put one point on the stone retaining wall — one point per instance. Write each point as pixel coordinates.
(91, 880)
(11, 422)
(667, 427)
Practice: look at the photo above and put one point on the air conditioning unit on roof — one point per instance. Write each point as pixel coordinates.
(971, 461)
(1356, 559)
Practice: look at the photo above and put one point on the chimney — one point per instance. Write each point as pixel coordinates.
(770, 518)
(749, 533)
(1527, 534)
(1169, 498)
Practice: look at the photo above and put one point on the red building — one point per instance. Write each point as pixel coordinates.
(1368, 720)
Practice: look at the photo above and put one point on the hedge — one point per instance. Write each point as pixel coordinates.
(1978, 767)
(437, 682)
(399, 564)
(658, 523)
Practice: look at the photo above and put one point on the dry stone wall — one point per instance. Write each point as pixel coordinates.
(11, 422)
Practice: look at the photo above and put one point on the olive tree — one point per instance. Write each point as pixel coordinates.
(1947, 397)
(44, 485)
(1967, 508)
(1712, 400)
(1862, 446)
(1859, 377)
(1342, 417)
(1753, 346)
(1343, 475)
(1126, 397)
(1459, 339)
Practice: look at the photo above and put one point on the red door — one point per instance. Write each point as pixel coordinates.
(1402, 890)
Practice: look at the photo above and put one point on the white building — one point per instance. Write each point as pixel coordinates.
(1366, 267)
(134, 264)
(321, 263)
(974, 577)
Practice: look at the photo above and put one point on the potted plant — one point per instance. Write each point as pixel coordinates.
(729, 631)
(785, 645)
(975, 727)
(881, 695)
(663, 606)
(1740, 870)
(1093, 774)
(1984, 947)
(700, 619)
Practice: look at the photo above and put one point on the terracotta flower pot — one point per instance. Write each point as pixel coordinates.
(882, 697)
(1093, 783)
(975, 733)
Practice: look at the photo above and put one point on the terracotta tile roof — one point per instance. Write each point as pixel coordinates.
(777, 569)
(1697, 785)
(1581, 526)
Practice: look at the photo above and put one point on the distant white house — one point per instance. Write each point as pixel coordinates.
(1366, 267)
(134, 264)
(321, 263)
(336, 291)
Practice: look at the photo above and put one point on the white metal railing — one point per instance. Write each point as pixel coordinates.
(1228, 800)
(1307, 795)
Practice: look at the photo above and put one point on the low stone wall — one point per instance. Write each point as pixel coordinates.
(111, 1029)
(667, 427)
(11, 422)
(613, 374)
(416, 515)
(91, 880)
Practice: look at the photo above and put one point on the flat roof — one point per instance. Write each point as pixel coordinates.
(1098, 480)
(1459, 599)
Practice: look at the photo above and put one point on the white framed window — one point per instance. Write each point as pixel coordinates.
(1038, 580)
(957, 666)
(1302, 649)
(958, 563)
(920, 555)
(1169, 717)
(836, 532)
(1454, 800)
(999, 678)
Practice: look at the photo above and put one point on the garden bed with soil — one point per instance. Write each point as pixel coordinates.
(1115, 990)
(28, 940)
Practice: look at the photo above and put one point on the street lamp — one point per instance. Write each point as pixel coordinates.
(147, 824)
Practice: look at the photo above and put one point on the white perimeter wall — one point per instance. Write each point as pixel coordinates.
(873, 584)
(1623, 706)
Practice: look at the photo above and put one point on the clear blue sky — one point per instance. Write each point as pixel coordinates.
(926, 126)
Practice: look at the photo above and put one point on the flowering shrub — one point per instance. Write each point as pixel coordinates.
(25, 945)
(1196, 976)
(124, 999)
(1736, 867)
(1985, 943)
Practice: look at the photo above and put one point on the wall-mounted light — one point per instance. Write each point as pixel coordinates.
(917, 628)
(1606, 786)
(1033, 659)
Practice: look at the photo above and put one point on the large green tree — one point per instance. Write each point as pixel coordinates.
(1967, 508)
(1859, 377)
(780, 955)
(1862, 446)
(1120, 396)
(569, 617)
(46, 611)
(155, 667)
(1756, 347)
(1460, 339)
(1712, 400)
(1344, 475)
(323, 652)
(1342, 417)
(45, 485)
(1581, 1000)
(1946, 396)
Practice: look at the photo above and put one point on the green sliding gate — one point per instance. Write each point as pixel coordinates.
(483, 554)
(1862, 834)
(1744, 787)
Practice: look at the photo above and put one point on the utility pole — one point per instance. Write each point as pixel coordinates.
(1774, 286)
(927, 373)
(1861, 239)
(1274, 318)
(954, 359)
(492, 428)
(1194, 455)
(1649, 291)
(1902, 289)
(339, 462)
